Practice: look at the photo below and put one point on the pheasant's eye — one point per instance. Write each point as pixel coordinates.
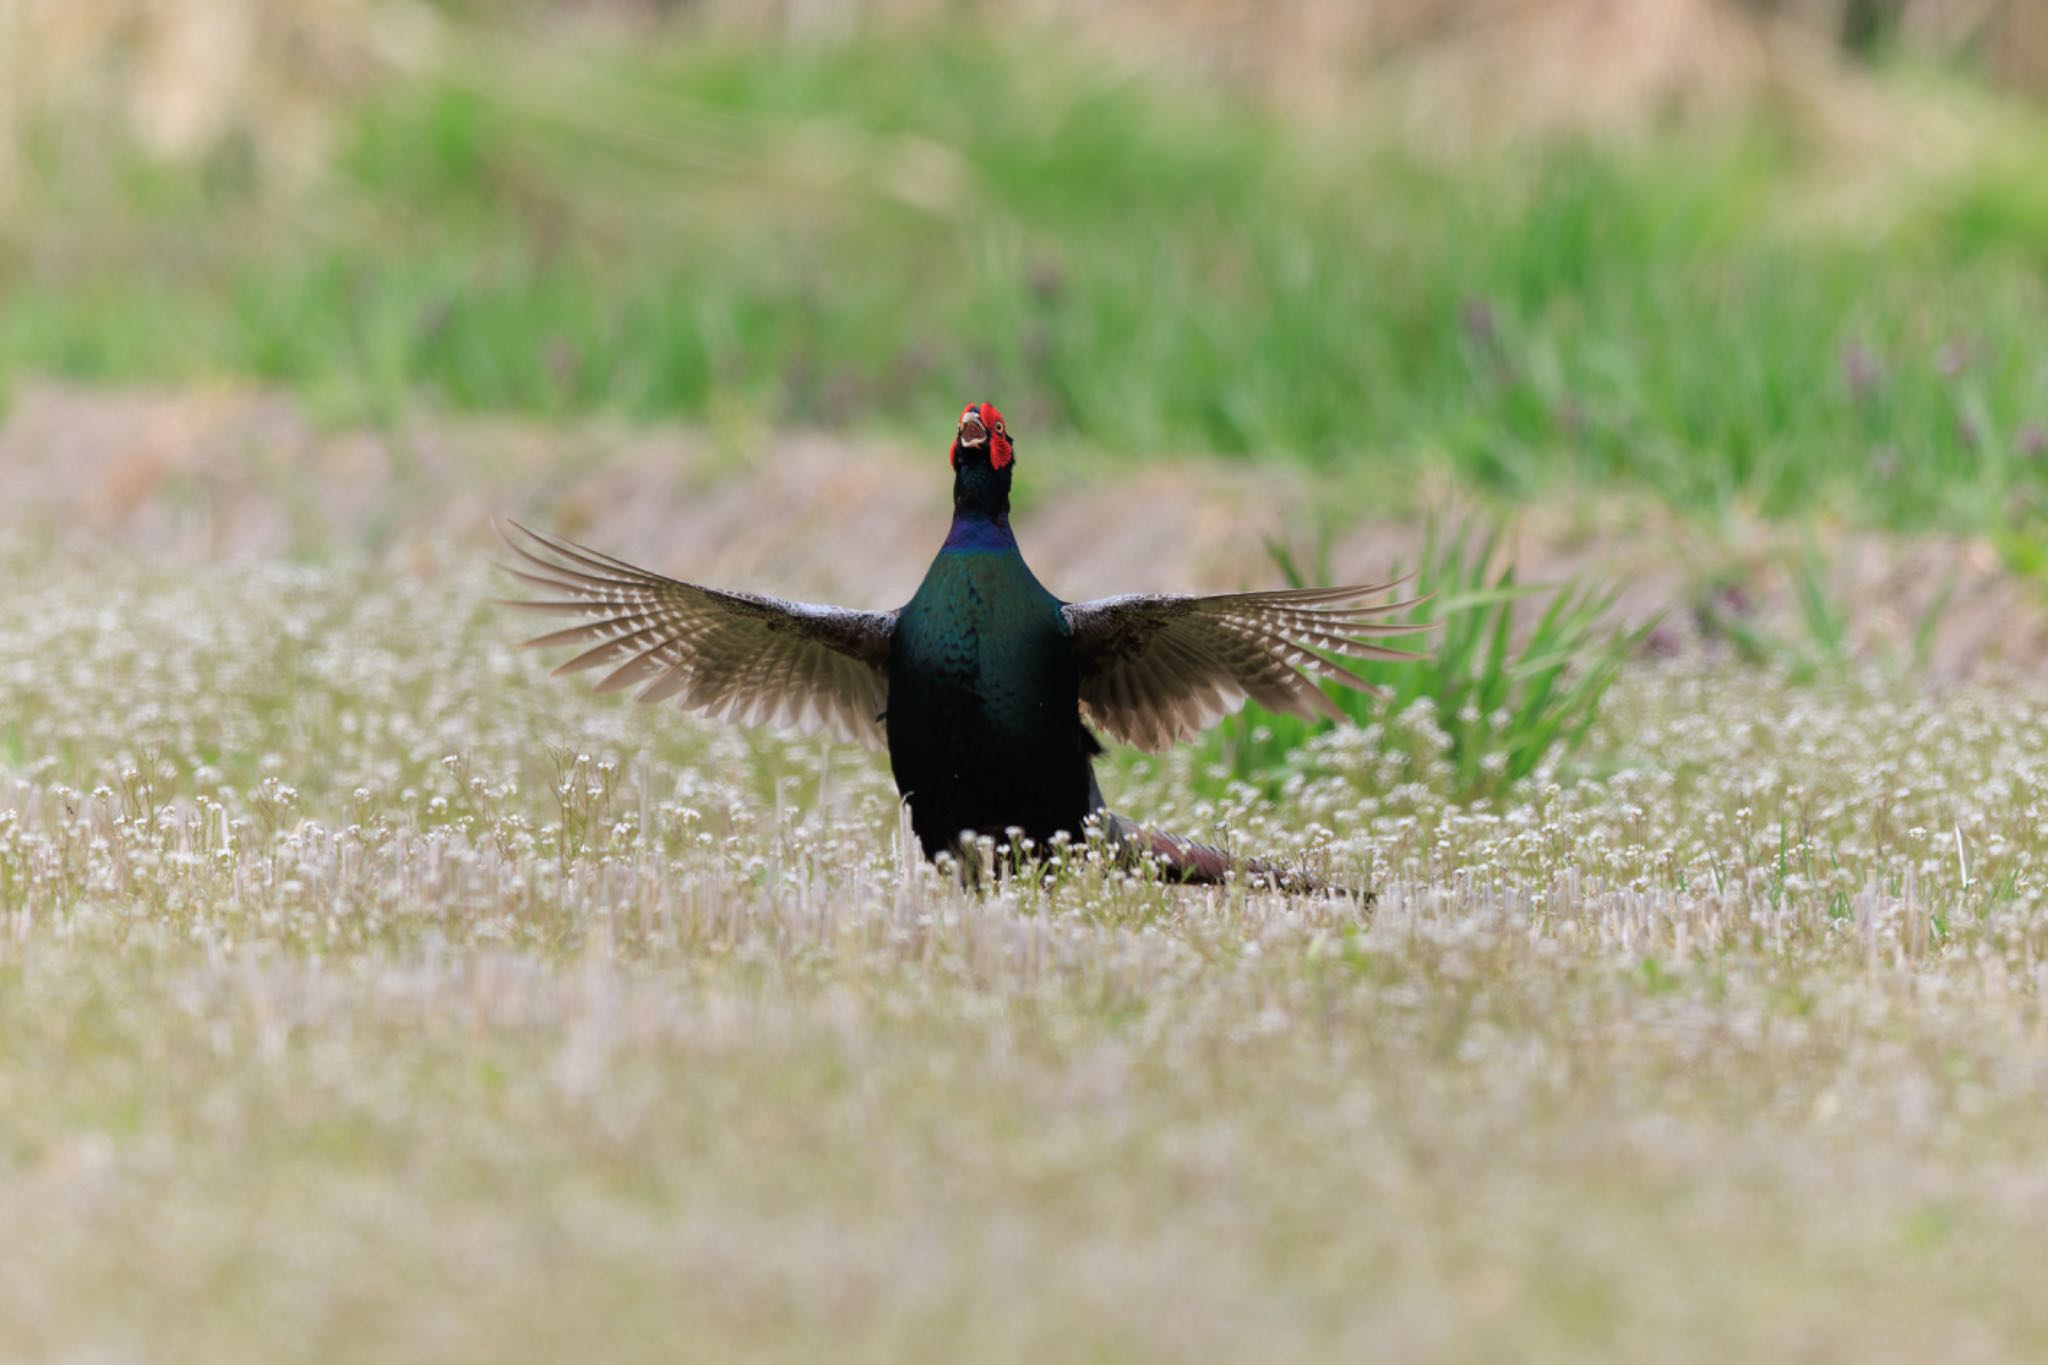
(999, 428)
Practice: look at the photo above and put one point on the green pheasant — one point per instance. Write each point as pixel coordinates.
(983, 686)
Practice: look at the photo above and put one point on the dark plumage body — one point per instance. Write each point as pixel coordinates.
(979, 685)
(984, 720)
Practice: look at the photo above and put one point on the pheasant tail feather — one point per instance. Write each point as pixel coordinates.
(1184, 860)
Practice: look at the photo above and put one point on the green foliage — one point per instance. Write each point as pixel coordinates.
(1504, 693)
(1818, 645)
(831, 234)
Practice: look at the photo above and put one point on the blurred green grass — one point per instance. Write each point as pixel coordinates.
(861, 233)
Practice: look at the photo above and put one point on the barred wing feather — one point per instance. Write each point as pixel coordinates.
(1159, 669)
(733, 656)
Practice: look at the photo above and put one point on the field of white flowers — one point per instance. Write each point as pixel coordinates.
(365, 992)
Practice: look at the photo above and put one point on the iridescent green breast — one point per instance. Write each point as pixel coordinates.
(984, 703)
(982, 625)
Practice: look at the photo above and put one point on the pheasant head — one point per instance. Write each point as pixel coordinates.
(983, 456)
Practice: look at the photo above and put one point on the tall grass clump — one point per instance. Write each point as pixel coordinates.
(1496, 695)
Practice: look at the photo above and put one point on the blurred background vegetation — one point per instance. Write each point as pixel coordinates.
(1778, 258)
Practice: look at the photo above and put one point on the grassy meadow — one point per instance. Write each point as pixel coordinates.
(368, 994)
(365, 993)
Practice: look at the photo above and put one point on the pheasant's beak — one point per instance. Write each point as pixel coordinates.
(972, 432)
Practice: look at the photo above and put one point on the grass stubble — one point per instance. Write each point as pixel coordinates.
(363, 993)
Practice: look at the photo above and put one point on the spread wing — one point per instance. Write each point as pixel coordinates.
(731, 655)
(1155, 670)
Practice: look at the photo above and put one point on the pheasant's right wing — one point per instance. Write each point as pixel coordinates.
(1157, 669)
(731, 655)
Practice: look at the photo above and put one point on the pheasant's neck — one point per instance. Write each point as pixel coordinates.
(975, 530)
(981, 509)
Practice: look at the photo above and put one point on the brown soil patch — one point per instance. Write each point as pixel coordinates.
(184, 478)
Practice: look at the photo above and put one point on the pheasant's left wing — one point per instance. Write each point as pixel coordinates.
(731, 655)
(1157, 669)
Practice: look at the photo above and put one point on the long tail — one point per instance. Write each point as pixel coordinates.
(1184, 860)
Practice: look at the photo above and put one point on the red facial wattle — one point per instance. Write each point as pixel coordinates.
(981, 424)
